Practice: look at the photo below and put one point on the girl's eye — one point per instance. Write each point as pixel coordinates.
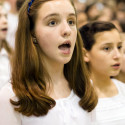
(119, 47)
(107, 48)
(52, 23)
(6, 16)
(71, 22)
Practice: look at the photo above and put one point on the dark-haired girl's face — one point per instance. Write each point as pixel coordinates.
(3, 23)
(105, 56)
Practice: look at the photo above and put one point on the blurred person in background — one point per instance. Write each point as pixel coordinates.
(14, 7)
(93, 10)
(5, 50)
(80, 5)
(12, 22)
(120, 14)
(106, 14)
(81, 19)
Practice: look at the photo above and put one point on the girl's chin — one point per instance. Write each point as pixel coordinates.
(114, 74)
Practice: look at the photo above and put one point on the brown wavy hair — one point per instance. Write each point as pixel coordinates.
(28, 71)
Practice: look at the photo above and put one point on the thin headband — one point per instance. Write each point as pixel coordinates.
(29, 4)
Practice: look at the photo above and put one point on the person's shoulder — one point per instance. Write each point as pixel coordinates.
(120, 85)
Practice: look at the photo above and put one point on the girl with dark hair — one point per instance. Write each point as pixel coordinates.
(50, 85)
(103, 55)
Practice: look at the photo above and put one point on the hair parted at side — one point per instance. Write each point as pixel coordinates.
(89, 30)
(28, 72)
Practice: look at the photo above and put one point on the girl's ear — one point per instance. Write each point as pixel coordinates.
(85, 55)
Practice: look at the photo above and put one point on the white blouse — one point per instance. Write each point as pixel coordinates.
(4, 68)
(66, 112)
(111, 111)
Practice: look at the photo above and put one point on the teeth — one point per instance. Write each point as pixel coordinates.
(67, 44)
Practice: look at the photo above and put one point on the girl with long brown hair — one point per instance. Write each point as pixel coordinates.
(50, 84)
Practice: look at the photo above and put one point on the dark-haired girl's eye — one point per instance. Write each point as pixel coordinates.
(119, 47)
(107, 48)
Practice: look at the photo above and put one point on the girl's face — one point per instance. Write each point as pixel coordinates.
(3, 23)
(56, 30)
(105, 56)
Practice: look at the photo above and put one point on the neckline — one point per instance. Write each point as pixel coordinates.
(115, 96)
(66, 98)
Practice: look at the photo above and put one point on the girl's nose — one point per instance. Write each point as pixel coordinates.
(4, 19)
(117, 54)
(66, 29)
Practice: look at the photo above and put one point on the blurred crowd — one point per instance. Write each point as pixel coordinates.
(12, 6)
(9, 10)
(103, 10)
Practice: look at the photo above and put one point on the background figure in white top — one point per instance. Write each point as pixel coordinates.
(103, 55)
(50, 82)
(12, 21)
(13, 10)
(5, 50)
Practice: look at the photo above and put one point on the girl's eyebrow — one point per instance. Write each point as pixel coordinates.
(72, 14)
(120, 42)
(56, 14)
(110, 43)
(51, 15)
